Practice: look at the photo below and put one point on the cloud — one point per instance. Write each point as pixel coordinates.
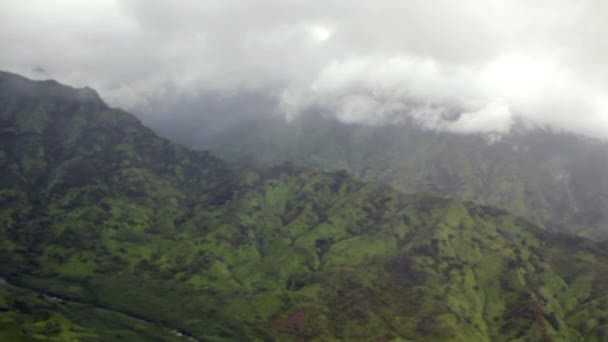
(467, 66)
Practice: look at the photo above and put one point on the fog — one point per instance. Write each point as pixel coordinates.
(464, 67)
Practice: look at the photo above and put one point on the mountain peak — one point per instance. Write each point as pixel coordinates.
(16, 86)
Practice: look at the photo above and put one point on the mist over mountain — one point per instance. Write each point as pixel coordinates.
(466, 67)
(558, 180)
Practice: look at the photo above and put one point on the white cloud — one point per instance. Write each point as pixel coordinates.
(461, 99)
(463, 66)
(321, 33)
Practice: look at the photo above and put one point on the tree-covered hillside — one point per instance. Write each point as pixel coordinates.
(556, 180)
(99, 211)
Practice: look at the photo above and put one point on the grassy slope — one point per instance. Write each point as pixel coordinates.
(98, 209)
(25, 316)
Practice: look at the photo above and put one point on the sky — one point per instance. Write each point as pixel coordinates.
(468, 66)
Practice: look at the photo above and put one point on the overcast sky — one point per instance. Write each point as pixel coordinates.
(463, 66)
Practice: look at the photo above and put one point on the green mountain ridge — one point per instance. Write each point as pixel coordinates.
(556, 180)
(98, 209)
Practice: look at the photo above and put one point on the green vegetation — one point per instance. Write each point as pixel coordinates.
(26, 316)
(555, 180)
(145, 234)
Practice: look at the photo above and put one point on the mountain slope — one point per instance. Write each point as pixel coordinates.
(28, 316)
(556, 180)
(97, 209)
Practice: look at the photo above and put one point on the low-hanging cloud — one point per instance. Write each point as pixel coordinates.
(466, 66)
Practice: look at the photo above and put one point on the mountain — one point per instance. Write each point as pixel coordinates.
(556, 180)
(109, 230)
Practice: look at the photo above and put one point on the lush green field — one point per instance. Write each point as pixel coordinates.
(97, 209)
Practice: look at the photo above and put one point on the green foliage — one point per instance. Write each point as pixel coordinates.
(556, 180)
(28, 316)
(150, 235)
